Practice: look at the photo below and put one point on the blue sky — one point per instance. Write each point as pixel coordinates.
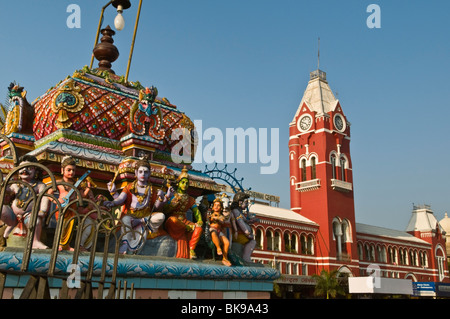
(246, 64)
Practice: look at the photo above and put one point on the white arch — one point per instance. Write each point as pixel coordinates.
(333, 152)
(303, 157)
(310, 157)
(347, 163)
(412, 276)
(345, 270)
(437, 249)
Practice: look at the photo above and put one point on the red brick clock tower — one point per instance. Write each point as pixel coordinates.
(321, 181)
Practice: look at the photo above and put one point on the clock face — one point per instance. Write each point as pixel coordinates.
(304, 123)
(339, 122)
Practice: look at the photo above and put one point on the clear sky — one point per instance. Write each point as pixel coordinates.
(246, 64)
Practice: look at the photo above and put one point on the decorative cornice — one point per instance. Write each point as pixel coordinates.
(78, 152)
(286, 225)
(79, 137)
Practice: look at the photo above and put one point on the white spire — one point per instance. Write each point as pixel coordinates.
(318, 96)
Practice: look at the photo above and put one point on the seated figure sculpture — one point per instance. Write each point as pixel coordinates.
(141, 216)
(19, 212)
(68, 171)
(185, 232)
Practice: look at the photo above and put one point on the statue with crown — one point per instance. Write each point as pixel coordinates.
(151, 215)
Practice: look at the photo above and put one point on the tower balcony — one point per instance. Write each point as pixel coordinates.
(308, 185)
(341, 186)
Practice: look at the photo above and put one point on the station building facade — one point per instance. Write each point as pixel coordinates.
(320, 231)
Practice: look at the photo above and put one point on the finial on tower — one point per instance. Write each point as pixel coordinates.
(105, 51)
(318, 54)
(318, 73)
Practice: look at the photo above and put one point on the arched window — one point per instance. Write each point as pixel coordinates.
(303, 170)
(403, 256)
(440, 260)
(310, 245)
(294, 243)
(259, 239)
(369, 252)
(413, 257)
(333, 166)
(401, 259)
(277, 241)
(423, 259)
(381, 254)
(343, 163)
(287, 242)
(313, 168)
(269, 240)
(372, 253)
(360, 251)
(303, 244)
(307, 244)
(393, 256)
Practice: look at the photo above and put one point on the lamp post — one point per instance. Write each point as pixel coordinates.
(119, 23)
(134, 38)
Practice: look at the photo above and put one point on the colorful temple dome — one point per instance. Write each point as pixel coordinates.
(96, 103)
(105, 123)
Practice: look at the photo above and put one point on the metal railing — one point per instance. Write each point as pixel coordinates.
(105, 225)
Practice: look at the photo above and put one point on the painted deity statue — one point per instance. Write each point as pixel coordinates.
(185, 232)
(245, 235)
(68, 171)
(229, 224)
(20, 115)
(216, 228)
(19, 212)
(141, 216)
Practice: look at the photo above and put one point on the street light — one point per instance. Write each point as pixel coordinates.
(119, 21)
(120, 5)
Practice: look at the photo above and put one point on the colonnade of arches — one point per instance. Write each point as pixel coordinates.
(374, 252)
(272, 239)
(307, 163)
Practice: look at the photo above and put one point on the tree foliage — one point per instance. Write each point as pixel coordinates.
(327, 284)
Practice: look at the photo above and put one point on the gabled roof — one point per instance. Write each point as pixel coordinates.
(364, 229)
(280, 213)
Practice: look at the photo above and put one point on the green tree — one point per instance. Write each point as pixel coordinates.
(327, 284)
